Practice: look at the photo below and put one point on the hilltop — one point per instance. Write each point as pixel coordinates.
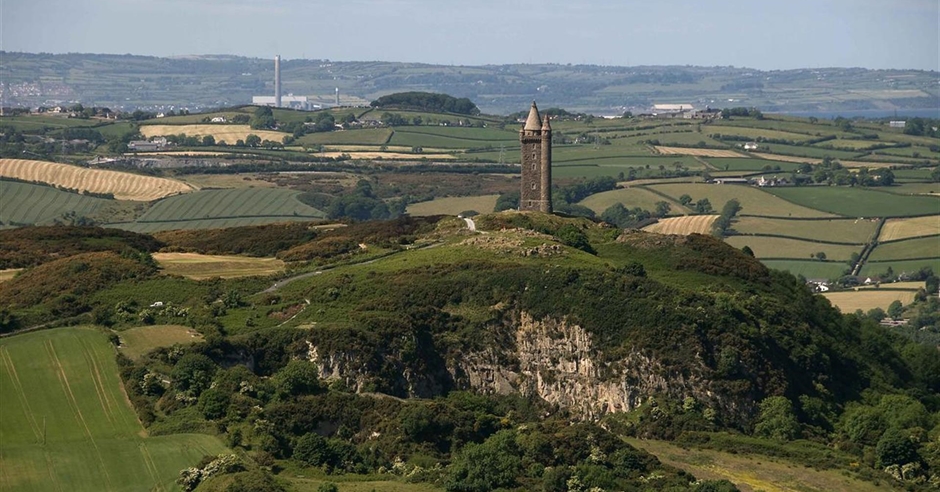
(200, 82)
(427, 349)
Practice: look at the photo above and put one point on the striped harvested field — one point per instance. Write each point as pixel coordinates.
(124, 186)
(913, 227)
(697, 152)
(222, 133)
(689, 224)
(849, 302)
(454, 205)
(200, 267)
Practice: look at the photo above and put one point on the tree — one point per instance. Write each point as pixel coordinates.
(574, 237)
(193, 373)
(895, 309)
(263, 119)
(298, 377)
(483, 467)
(311, 450)
(507, 201)
(894, 448)
(208, 140)
(748, 251)
(777, 419)
(662, 209)
(252, 140)
(685, 200)
(821, 255)
(703, 206)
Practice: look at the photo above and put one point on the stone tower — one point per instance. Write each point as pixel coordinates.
(536, 140)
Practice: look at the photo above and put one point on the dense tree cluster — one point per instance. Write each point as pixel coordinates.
(427, 101)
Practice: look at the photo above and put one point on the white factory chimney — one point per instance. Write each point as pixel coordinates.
(277, 81)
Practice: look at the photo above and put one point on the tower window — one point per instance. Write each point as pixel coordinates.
(533, 186)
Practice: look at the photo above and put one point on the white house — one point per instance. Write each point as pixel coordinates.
(750, 146)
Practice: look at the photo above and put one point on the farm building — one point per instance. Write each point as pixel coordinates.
(142, 146)
(750, 146)
(293, 102)
(897, 124)
(731, 181)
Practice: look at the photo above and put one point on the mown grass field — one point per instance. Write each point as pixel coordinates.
(900, 266)
(905, 249)
(912, 227)
(630, 198)
(222, 133)
(453, 138)
(752, 165)
(139, 340)
(858, 202)
(809, 268)
(124, 186)
(67, 425)
(233, 203)
(199, 267)
(852, 231)
(753, 133)
(689, 224)
(809, 151)
(37, 204)
(867, 299)
(753, 201)
(454, 205)
(365, 136)
(777, 247)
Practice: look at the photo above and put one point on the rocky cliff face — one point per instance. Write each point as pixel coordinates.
(558, 362)
(550, 358)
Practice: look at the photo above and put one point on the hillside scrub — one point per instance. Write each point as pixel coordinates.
(31, 246)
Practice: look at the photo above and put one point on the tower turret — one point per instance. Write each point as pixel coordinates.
(535, 138)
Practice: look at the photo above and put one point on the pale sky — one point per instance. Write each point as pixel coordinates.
(763, 34)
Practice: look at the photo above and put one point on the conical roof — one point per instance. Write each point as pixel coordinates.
(546, 125)
(533, 122)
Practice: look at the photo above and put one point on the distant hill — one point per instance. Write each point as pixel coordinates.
(129, 81)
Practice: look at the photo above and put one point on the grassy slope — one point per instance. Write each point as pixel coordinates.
(752, 473)
(753, 201)
(775, 247)
(68, 426)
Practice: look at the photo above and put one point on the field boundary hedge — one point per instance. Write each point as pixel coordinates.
(781, 236)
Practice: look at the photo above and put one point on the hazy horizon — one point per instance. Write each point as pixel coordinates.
(776, 35)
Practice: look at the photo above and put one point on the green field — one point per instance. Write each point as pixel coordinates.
(139, 340)
(453, 205)
(754, 133)
(923, 247)
(809, 151)
(914, 189)
(778, 247)
(68, 426)
(858, 202)
(744, 164)
(753, 201)
(852, 231)
(909, 266)
(809, 268)
(453, 137)
(35, 204)
(365, 136)
(231, 203)
(630, 198)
